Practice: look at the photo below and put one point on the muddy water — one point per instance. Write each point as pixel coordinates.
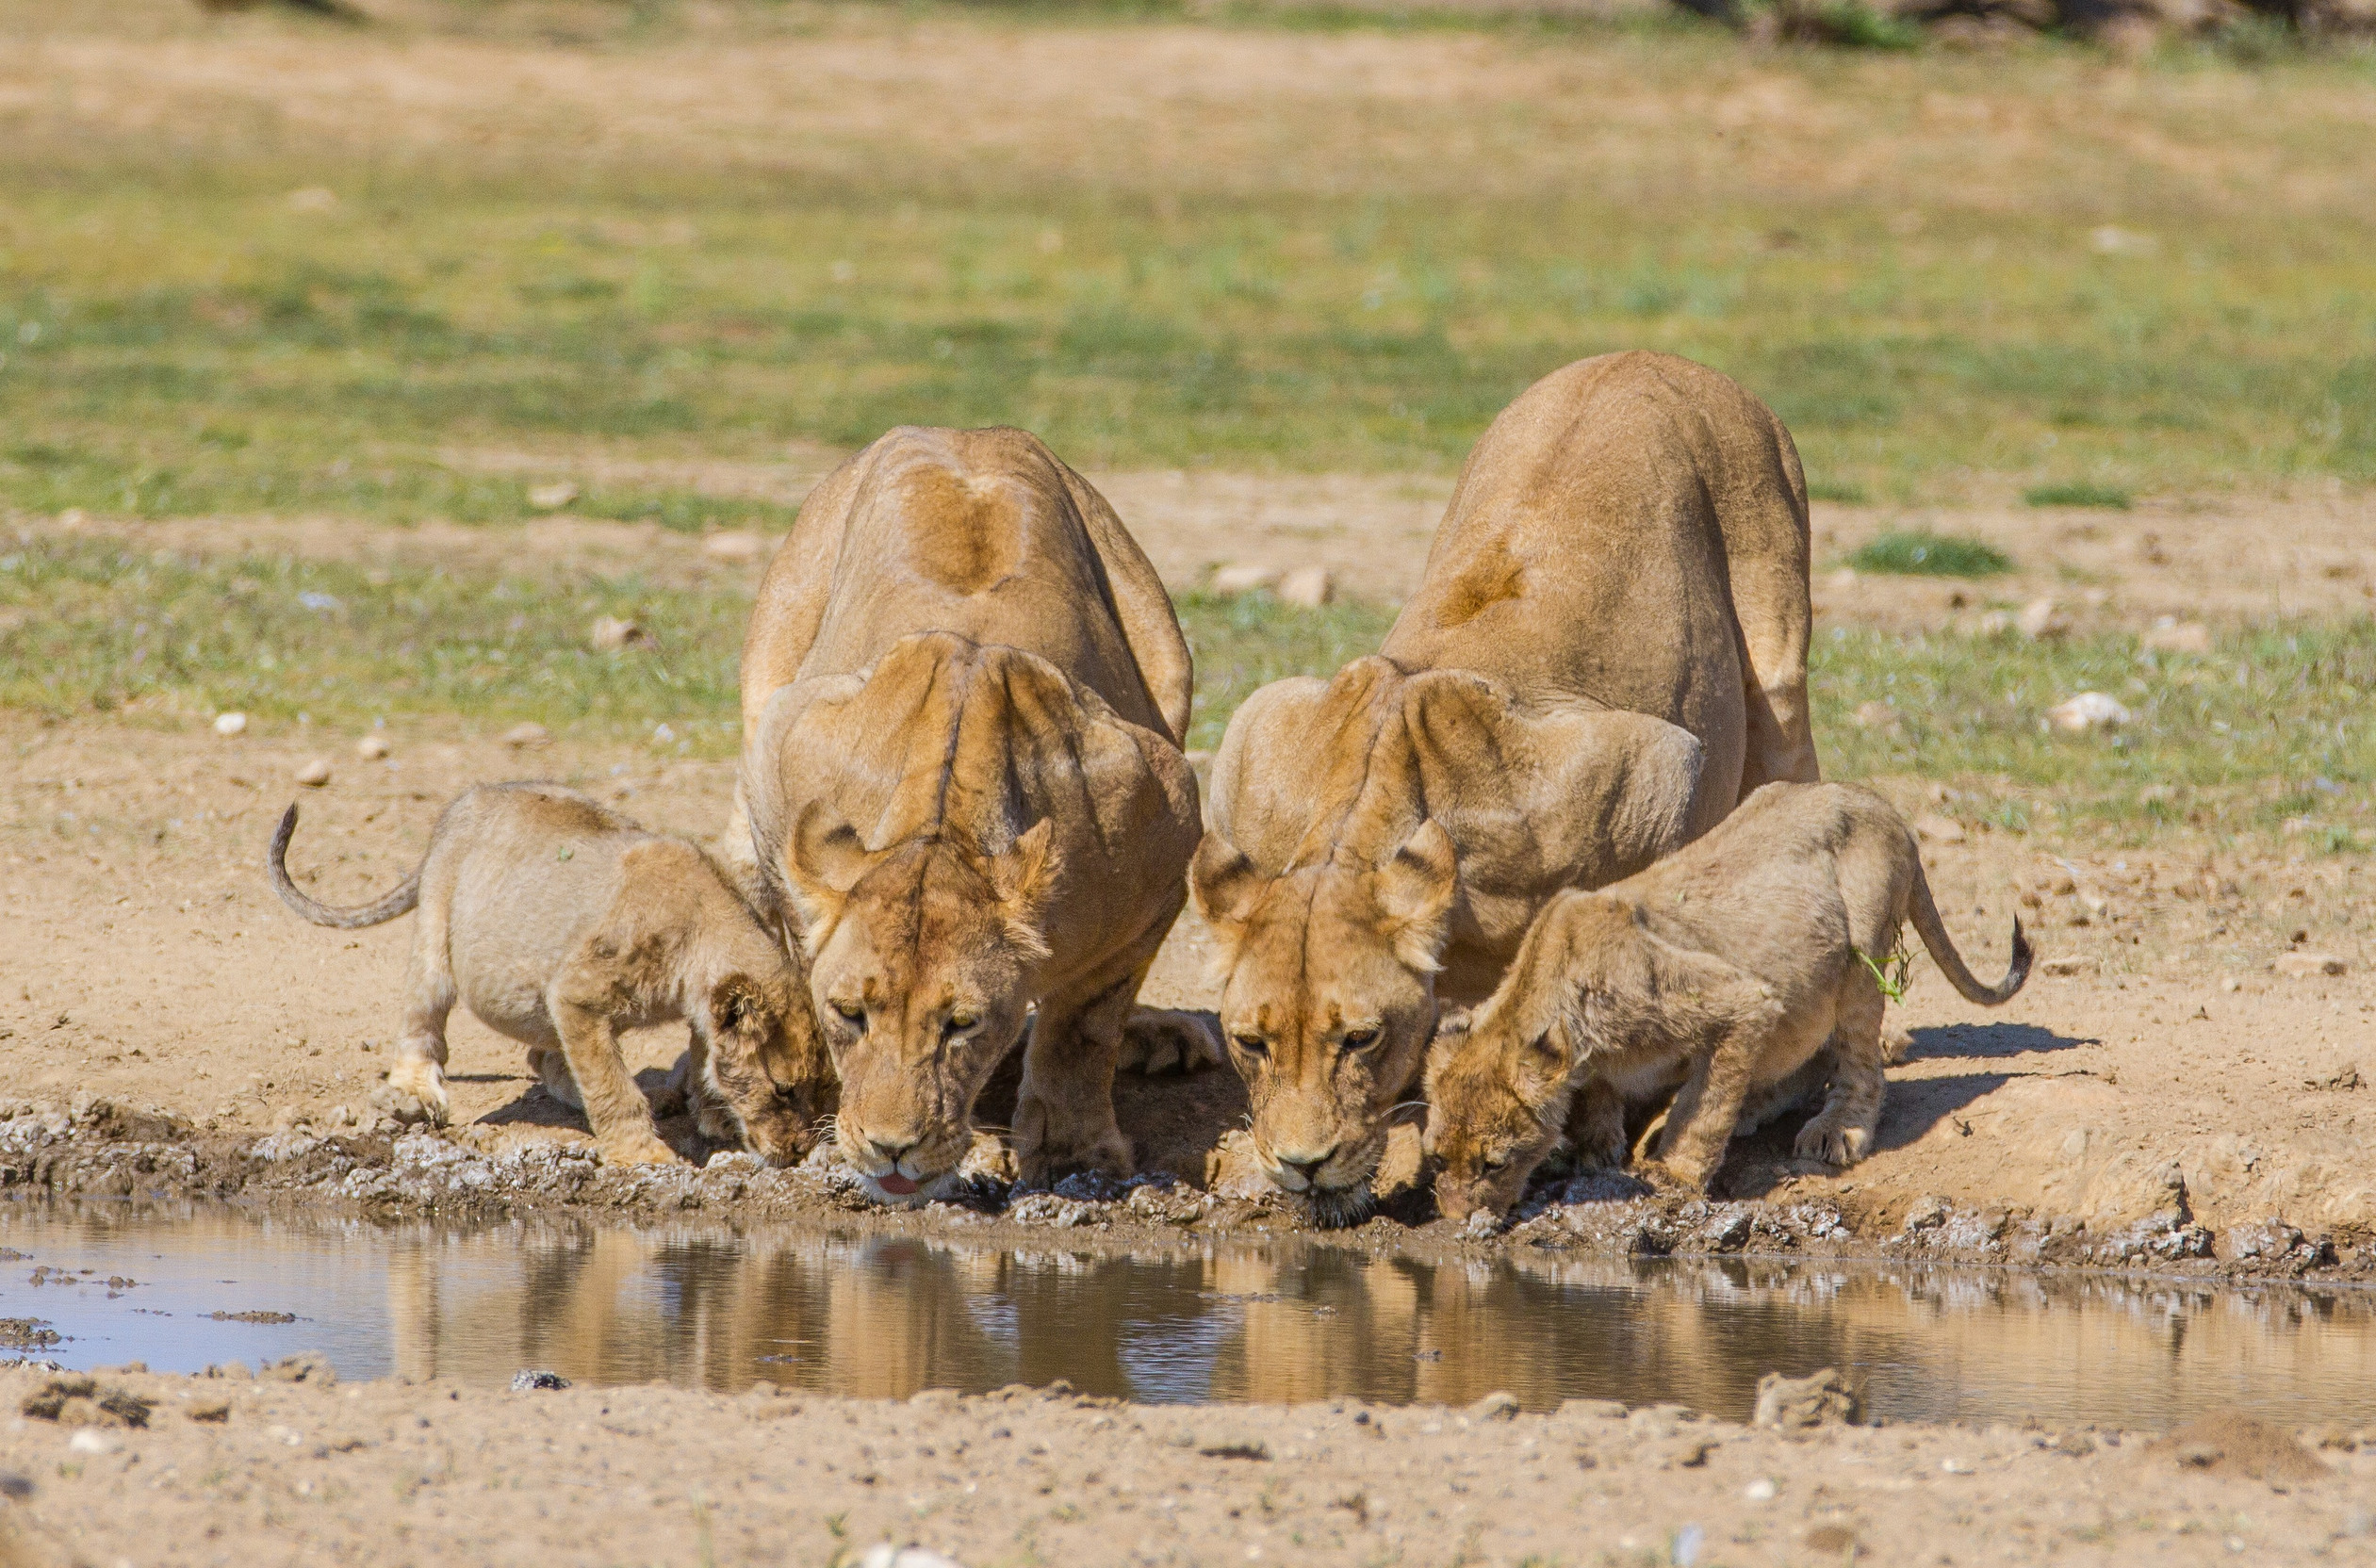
(884, 1317)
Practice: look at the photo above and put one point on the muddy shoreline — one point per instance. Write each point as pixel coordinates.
(98, 1150)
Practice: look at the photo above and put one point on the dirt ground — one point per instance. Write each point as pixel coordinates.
(2221, 559)
(2157, 1072)
(269, 1471)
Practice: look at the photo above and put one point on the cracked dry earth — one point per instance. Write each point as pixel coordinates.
(234, 1469)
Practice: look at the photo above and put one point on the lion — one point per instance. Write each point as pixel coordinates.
(964, 693)
(1607, 653)
(558, 923)
(1745, 964)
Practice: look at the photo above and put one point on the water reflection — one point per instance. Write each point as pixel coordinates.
(884, 1315)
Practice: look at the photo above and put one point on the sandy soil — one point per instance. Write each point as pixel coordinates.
(229, 1469)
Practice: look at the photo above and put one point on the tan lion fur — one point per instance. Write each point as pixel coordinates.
(1721, 971)
(1609, 652)
(558, 924)
(963, 697)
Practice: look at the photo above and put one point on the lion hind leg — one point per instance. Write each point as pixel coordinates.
(1843, 1132)
(416, 1086)
(1170, 1040)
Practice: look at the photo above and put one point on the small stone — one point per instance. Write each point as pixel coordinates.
(227, 725)
(2064, 966)
(314, 774)
(1243, 578)
(2089, 710)
(1496, 1406)
(2170, 635)
(1307, 587)
(610, 633)
(529, 1381)
(1878, 714)
(371, 747)
(1928, 1214)
(551, 497)
(1760, 1491)
(1939, 830)
(2041, 619)
(524, 737)
(732, 546)
(94, 1440)
(2231, 985)
(1819, 1399)
(2305, 966)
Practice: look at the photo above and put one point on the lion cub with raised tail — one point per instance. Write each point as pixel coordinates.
(1725, 969)
(558, 924)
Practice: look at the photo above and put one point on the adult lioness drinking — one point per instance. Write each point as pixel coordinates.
(1608, 652)
(964, 695)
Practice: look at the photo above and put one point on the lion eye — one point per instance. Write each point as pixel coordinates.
(1497, 1164)
(1360, 1039)
(852, 1012)
(958, 1024)
(1253, 1045)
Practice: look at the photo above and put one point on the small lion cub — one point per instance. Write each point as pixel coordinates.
(1725, 967)
(559, 923)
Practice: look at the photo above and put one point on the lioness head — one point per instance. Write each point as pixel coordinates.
(765, 1063)
(1329, 1000)
(922, 959)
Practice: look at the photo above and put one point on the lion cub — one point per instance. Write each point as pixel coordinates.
(1725, 967)
(559, 923)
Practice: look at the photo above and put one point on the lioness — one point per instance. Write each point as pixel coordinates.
(558, 923)
(1608, 652)
(964, 695)
(1725, 967)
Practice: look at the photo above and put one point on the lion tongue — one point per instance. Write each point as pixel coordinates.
(896, 1184)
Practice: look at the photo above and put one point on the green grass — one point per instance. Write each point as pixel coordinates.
(2273, 727)
(2078, 493)
(1914, 553)
(1355, 283)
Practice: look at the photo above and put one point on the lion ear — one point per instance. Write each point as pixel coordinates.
(1025, 875)
(826, 859)
(736, 1006)
(1224, 883)
(1416, 885)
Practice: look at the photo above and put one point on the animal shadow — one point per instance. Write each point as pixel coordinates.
(1987, 1042)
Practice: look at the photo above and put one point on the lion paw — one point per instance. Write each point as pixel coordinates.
(637, 1149)
(1170, 1040)
(1832, 1144)
(414, 1092)
(1044, 1163)
(552, 1070)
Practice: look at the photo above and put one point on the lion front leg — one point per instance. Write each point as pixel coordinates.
(615, 1109)
(1596, 1126)
(1064, 1113)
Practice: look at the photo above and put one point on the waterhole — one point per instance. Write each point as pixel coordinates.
(882, 1315)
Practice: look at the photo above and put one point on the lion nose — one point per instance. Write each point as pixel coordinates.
(1307, 1168)
(891, 1152)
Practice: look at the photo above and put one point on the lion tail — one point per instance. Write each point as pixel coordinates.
(1950, 962)
(401, 902)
